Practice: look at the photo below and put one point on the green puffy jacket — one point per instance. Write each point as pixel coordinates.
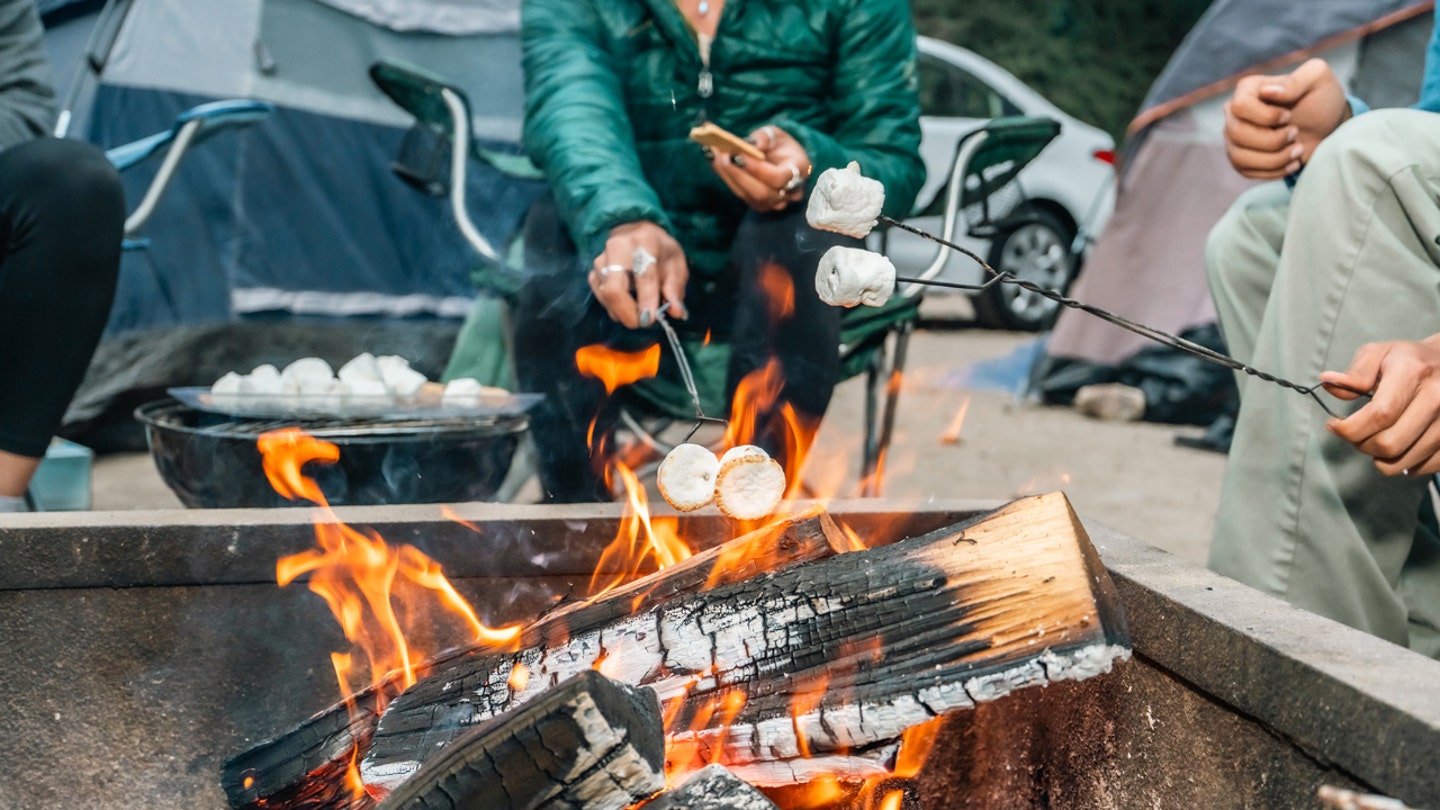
(614, 86)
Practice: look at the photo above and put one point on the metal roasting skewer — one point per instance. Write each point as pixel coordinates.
(685, 374)
(1148, 332)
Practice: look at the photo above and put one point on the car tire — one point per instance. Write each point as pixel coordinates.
(1034, 246)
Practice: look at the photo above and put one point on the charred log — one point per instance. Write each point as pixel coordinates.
(588, 743)
(832, 661)
(713, 788)
(297, 769)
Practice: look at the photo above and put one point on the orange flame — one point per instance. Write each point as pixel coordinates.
(639, 539)
(952, 433)
(755, 397)
(779, 291)
(616, 368)
(378, 593)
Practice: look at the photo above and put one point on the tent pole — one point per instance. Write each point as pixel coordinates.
(97, 53)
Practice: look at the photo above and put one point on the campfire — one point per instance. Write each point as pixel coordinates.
(802, 664)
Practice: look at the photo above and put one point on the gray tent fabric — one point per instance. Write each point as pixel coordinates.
(1148, 265)
(300, 213)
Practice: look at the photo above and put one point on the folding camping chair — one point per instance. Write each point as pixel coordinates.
(873, 340)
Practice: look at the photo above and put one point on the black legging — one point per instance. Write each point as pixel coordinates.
(556, 314)
(62, 214)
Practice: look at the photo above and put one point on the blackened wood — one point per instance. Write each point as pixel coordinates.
(835, 659)
(289, 771)
(713, 788)
(588, 743)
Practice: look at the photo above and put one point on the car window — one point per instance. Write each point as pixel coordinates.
(951, 92)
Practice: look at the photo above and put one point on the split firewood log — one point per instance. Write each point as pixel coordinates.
(821, 667)
(588, 743)
(302, 767)
(713, 787)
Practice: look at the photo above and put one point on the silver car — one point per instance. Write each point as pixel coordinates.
(1068, 191)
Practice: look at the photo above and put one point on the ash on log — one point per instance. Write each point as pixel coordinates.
(835, 659)
(300, 769)
(588, 744)
(713, 787)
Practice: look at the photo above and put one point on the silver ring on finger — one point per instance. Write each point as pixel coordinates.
(642, 262)
(612, 268)
(796, 178)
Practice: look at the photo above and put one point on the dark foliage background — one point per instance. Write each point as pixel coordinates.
(1093, 58)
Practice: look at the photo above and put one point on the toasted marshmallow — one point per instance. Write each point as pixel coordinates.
(741, 450)
(686, 477)
(849, 276)
(845, 201)
(749, 487)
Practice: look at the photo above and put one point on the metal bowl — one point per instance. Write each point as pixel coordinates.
(211, 461)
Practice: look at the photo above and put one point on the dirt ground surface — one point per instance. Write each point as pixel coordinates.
(1129, 476)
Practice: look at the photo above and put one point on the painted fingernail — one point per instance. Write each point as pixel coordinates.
(644, 318)
(1291, 134)
(707, 152)
(738, 160)
(1285, 117)
(1297, 151)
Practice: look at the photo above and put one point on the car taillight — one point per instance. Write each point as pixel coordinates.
(1106, 156)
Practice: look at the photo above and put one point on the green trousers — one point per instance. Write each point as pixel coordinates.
(1301, 279)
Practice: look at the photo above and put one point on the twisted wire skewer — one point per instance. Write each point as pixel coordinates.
(685, 373)
(1148, 332)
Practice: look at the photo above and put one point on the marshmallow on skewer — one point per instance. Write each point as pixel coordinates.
(749, 486)
(845, 201)
(360, 367)
(741, 450)
(849, 276)
(230, 391)
(687, 476)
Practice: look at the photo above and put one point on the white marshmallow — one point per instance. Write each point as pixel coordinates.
(230, 391)
(400, 378)
(462, 392)
(367, 392)
(361, 367)
(686, 477)
(849, 276)
(266, 387)
(308, 374)
(844, 201)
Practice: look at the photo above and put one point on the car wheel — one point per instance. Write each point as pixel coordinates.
(1037, 249)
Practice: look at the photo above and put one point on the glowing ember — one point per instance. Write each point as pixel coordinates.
(617, 368)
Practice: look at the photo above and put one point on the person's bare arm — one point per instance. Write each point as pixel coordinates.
(1274, 123)
(1400, 425)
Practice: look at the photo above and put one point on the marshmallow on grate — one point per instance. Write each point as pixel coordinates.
(265, 386)
(462, 392)
(231, 391)
(360, 367)
(364, 391)
(400, 378)
(749, 486)
(849, 276)
(686, 477)
(845, 201)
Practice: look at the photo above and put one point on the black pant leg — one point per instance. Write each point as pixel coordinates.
(804, 338)
(555, 315)
(62, 214)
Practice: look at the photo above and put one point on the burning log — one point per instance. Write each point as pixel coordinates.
(818, 668)
(588, 743)
(299, 769)
(713, 787)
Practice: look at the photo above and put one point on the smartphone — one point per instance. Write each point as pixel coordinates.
(721, 140)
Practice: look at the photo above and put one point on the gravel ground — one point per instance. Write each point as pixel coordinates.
(1130, 476)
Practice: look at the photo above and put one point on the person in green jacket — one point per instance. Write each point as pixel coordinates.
(642, 218)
